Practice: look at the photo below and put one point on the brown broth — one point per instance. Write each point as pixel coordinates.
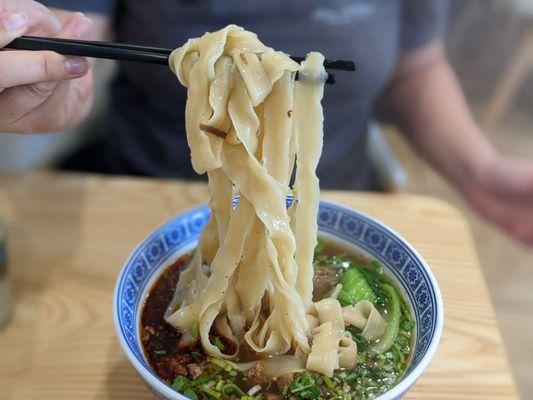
(159, 339)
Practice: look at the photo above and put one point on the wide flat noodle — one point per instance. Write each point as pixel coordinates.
(276, 151)
(347, 351)
(332, 347)
(205, 148)
(365, 317)
(309, 120)
(324, 358)
(329, 310)
(248, 123)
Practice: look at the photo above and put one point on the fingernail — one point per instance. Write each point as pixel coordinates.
(76, 65)
(83, 27)
(14, 21)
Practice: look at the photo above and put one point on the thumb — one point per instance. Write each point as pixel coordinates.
(12, 25)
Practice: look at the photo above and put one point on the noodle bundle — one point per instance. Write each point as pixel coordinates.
(249, 124)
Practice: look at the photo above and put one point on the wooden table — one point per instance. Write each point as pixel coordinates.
(70, 234)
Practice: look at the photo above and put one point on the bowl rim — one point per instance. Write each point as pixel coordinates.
(395, 392)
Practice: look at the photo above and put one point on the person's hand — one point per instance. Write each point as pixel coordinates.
(41, 91)
(502, 192)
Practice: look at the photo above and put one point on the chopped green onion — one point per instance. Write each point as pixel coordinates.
(320, 246)
(304, 387)
(218, 343)
(180, 382)
(203, 379)
(226, 366)
(408, 325)
(196, 356)
(328, 382)
(234, 388)
(160, 352)
(210, 392)
(190, 394)
(195, 330)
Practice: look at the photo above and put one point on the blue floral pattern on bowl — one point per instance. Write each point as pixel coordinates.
(379, 242)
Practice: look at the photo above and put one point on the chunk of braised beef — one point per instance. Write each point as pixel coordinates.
(168, 367)
(272, 396)
(195, 370)
(257, 375)
(283, 381)
(146, 333)
(324, 280)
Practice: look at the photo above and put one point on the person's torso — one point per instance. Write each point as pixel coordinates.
(365, 31)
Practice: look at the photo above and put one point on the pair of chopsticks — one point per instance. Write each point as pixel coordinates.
(129, 52)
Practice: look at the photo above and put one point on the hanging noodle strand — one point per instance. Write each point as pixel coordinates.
(249, 123)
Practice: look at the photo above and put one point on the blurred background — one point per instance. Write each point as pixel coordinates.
(490, 45)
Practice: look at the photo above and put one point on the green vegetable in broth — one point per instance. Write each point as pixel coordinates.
(189, 393)
(218, 343)
(195, 330)
(320, 246)
(355, 287)
(180, 382)
(393, 320)
(304, 387)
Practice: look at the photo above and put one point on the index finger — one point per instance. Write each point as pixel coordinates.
(12, 25)
(42, 21)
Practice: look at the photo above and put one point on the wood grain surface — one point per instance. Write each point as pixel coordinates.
(68, 236)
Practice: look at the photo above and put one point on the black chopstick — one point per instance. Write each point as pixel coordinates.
(92, 49)
(129, 52)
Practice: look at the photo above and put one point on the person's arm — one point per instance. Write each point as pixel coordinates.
(428, 103)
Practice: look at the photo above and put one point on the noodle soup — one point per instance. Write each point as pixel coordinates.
(181, 362)
(259, 310)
